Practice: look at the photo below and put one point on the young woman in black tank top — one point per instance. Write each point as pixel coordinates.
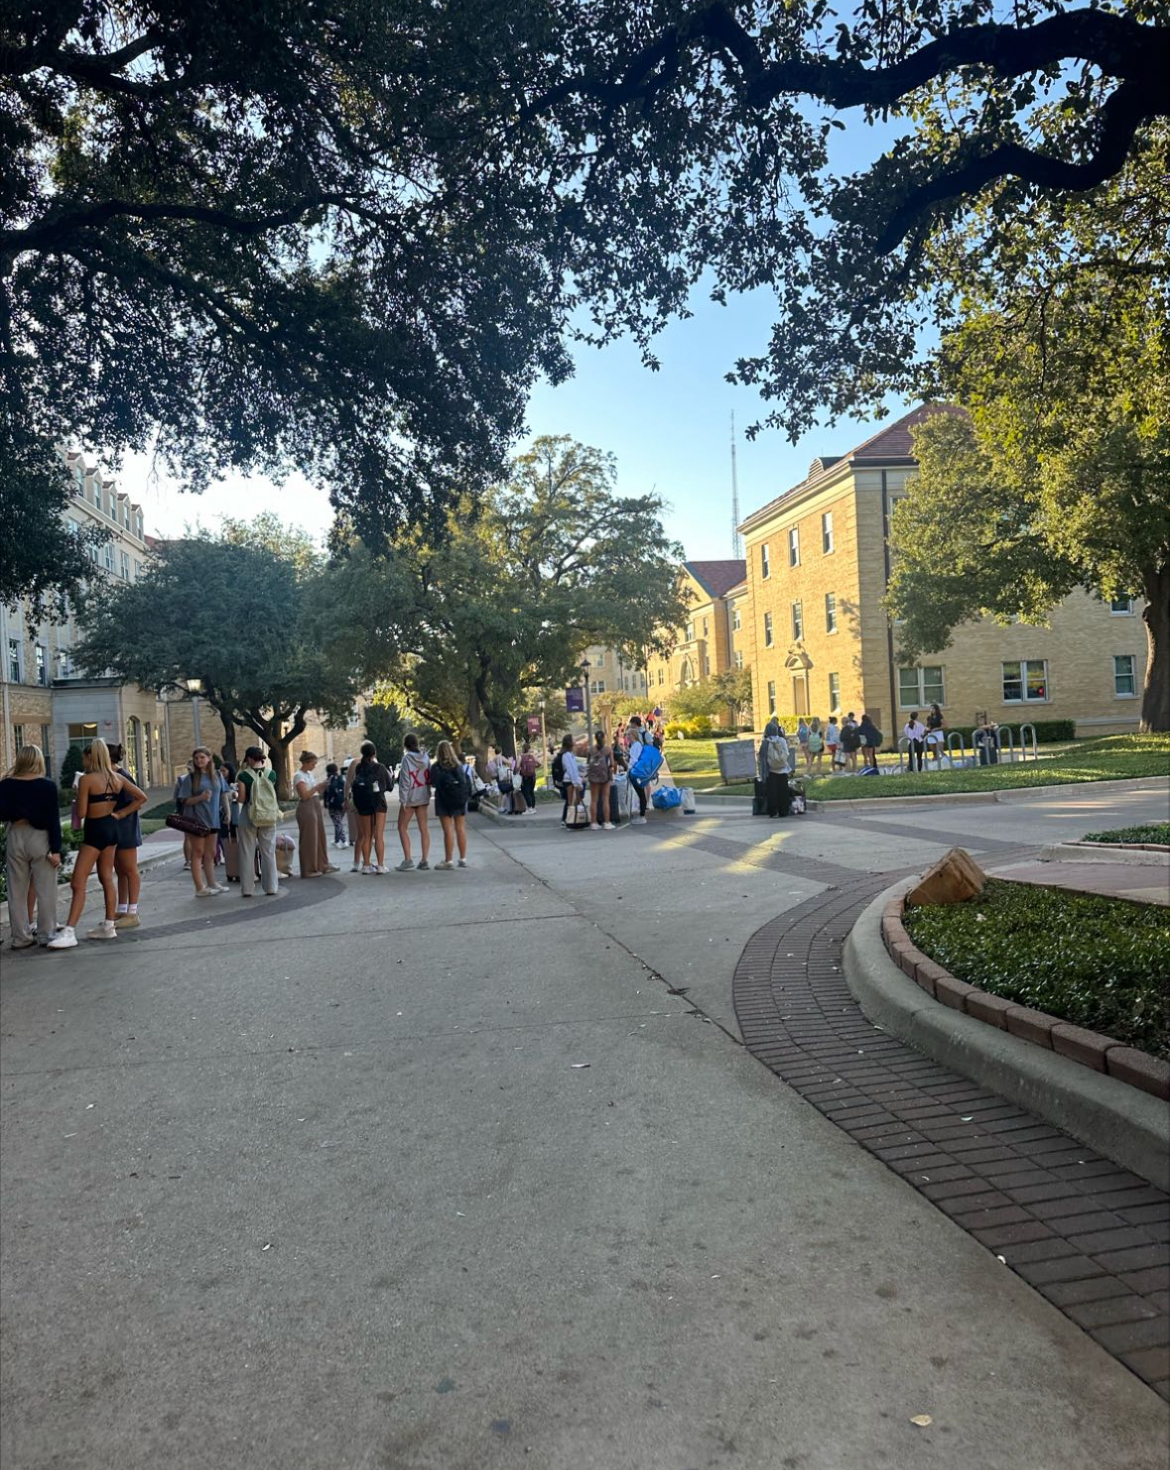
(97, 792)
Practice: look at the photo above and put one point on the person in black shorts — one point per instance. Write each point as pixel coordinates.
(129, 841)
(97, 796)
(452, 789)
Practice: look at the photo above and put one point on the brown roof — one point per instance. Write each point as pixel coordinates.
(717, 577)
(891, 445)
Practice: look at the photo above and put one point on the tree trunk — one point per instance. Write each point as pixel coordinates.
(1156, 694)
(228, 749)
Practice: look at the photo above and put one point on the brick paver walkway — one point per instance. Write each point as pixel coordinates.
(1092, 1237)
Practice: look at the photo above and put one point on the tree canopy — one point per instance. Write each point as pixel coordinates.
(1058, 476)
(549, 562)
(346, 235)
(247, 623)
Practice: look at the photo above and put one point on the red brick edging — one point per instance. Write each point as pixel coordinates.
(1089, 1048)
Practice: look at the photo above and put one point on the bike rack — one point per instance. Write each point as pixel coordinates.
(954, 742)
(1006, 730)
(903, 750)
(1031, 729)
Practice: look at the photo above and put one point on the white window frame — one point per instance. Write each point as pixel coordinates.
(739, 658)
(765, 562)
(769, 635)
(1121, 612)
(797, 620)
(771, 696)
(828, 546)
(1132, 676)
(830, 612)
(923, 697)
(793, 546)
(736, 619)
(834, 693)
(16, 666)
(1023, 665)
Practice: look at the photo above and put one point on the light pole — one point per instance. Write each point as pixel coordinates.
(193, 687)
(585, 667)
(544, 747)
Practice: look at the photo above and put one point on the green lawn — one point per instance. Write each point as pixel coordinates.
(1109, 758)
(1097, 962)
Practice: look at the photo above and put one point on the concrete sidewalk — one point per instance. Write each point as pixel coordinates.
(439, 1169)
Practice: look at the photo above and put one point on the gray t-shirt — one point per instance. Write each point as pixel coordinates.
(206, 813)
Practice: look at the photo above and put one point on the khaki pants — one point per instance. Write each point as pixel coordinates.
(313, 849)
(250, 839)
(28, 859)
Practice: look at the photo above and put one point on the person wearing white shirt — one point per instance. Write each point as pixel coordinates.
(915, 732)
(638, 738)
(571, 783)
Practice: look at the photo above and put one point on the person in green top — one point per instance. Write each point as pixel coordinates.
(257, 829)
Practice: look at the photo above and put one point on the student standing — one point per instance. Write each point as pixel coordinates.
(368, 787)
(935, 733)
(452, 791)
(572, 784)
(600, 773)
(29, 807)
(200, 798)
(914, 732)
(870, 737)
(335, 802)
(815, 745)
(313, 849)
(97, 793)
(775, 762)
(637, 739)
(126, 857)
(528, 776)
(259, 815)
(832, 741)
(850, 741)
(414, 799)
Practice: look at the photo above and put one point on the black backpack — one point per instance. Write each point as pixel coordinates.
(335, 795)
(451, 784)
(558, 768)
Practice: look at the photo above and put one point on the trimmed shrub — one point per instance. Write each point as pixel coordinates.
(70, 767)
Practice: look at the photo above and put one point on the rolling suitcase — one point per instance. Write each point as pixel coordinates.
(519, 805)
(231, 860)
(759, 801)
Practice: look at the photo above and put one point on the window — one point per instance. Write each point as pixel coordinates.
(827, 532)
(830, 613)
(109, 557)
(736, 619)
(46, 749)
(918, 687)
(705, 633)
(125, 567)
(1124, 680)
(83, 735)
(14, 660)
(739, 660)
(771, 696)
(74, 528)
(797, 621)
(42, 664)
(794, 547)
(1121, 607)
(1025, 682)
(690, 632)
(62, 663)
(767, 630)
(834, 693)
(765, 568)
(661, 680)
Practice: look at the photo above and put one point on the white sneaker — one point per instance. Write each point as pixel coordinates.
(607, 826)
(369, 871)
(383, 869)
(357, 867)
(206, 892)
(104, 930)
(595, 826)
(638, 821)
(63, 939)
(443, 867)
(216, 888)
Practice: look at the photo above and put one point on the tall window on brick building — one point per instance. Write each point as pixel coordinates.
(771, 696)
(918, 687)
(797, 620)
(767, 630)
(830, 613)
(1124, 676)
(1025, 681)
(827, 532)
(794, 546)
(14, 660)
(834, 693)
(42, 656)
(765, 565)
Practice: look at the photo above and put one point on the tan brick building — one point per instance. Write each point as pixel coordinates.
(707, 644)
(820, 642)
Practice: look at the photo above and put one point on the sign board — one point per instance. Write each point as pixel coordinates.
(575, 701)
(737, 760)
(534, 724)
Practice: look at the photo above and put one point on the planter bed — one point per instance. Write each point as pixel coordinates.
(1145, 1066)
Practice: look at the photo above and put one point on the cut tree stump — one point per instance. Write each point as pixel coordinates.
(953, 879)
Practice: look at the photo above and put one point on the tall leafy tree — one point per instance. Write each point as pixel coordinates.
(345, 235)
(507, 601)
(244, 621)
(1058, 476)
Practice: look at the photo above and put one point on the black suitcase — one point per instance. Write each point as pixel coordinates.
(759, 800)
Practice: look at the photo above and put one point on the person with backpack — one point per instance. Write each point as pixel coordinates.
(815, 745)
(645, 761)
(571, 782)
(369, 784)
(558, 776)
(528, 776)
(850, 741)
(335, 802)
(256, 833)
(452, 790)
(599, 773)
(414, 799)
(775, 760)
(802, 738)
(833, 742)
(870, 737)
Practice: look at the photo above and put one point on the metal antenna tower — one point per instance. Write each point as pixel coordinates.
(736, 538)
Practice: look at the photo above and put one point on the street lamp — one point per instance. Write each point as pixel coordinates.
(193, 686)
(585, 667)
(544, 747)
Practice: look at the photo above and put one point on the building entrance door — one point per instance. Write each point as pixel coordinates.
(800, 694)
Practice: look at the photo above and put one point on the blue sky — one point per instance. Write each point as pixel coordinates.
(670, 429)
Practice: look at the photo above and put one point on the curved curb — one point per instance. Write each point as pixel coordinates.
(1117, 1120)
(1006, 794)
